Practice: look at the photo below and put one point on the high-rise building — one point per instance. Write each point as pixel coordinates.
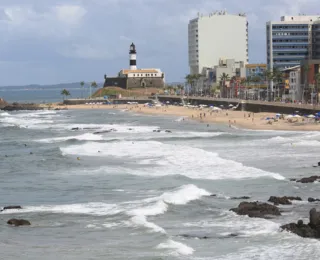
(292, 40)
(217, 36)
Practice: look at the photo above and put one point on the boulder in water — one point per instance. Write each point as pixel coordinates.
(283, 200)
(11, 207)
(18, 222)
(311, 230)
(240, 198)
(256, 209)
(309, 179)
(312, 200)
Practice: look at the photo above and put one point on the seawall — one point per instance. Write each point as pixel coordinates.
(245, 105)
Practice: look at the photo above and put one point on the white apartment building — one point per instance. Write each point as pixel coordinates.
(217, 36)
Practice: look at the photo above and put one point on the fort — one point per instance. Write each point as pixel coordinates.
(134, 77)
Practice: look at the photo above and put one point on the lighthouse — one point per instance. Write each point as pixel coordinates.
(133, 57)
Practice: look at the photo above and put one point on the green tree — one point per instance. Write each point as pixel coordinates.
(223, 79)
(92, 85)
(82, 87)
(190, 81)
(65, 93)
(317, 80)
(306, 69)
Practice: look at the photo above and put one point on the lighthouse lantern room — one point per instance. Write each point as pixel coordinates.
(133, 57)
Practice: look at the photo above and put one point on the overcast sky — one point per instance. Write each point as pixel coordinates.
(57, 41)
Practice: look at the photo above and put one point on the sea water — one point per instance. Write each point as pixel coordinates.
(135, 193)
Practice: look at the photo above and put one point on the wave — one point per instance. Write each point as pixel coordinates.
(176, 248)
(138, 210)
(242, 226)
(170, 159)
(83, 137)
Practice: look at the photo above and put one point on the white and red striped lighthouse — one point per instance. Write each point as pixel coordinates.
(133, 57)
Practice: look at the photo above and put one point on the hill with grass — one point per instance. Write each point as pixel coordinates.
(112, 91)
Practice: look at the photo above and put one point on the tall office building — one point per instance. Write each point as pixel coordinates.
(217, 36)
(316, 40)
(291, 40)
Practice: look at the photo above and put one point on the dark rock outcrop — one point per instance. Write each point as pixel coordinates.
(256, 209)
(313, 200)
(17, 106)
(240, 198)
(168, 131)
(75, 128)
(18, 222)
(11, 207)
(311, 230)
(309, 179)
(3, 103)
(283, 200)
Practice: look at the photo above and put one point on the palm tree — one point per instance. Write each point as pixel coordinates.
(223, 78)
(278, 78)
(92, 85)
(269, 77)
(196, 78)
(82, 87)
(65, 93)
(317, 80)
(180, 87)
(306, 69)
(189, 80)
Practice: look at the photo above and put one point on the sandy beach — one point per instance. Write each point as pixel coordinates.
(239, 119)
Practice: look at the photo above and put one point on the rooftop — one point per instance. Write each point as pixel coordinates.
(139, 71)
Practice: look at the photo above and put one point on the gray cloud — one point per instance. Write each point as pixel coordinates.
(73, 40)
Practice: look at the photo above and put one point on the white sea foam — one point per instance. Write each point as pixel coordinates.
(138, 210)
(286, 250)
(83, 137)
(243, 226)
(93, 208)
(4, 114)
(169, 159)
(159, 205)
(176, 248)
(141, 220)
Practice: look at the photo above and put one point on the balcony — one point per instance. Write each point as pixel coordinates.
(290, 30)
(287, 37)
(290, 43)
(290, 50)
(292, 57)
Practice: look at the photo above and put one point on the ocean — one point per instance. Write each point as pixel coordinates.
(132, 193)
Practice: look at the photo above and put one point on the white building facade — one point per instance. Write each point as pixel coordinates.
(217, 36)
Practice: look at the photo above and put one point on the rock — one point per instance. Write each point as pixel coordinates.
(314, 218)
(313, 200)
(11, 207)
(309, 179)
(256, 209)
(75, 128)
(301, 230)
(240, 198)
(311, 230)
(283, 200)
(18, 222)
(293, 179)
(17, 106)
(130, 129)
(213, 195)
(168, 131)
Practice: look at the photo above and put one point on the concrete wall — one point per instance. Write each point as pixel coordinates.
(115, 82)
(251, 106)
(145, 82)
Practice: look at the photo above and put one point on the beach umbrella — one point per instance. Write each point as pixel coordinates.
(296, 116)
(230, 105)
(311, 116)
(289, 116)
(168, 102)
